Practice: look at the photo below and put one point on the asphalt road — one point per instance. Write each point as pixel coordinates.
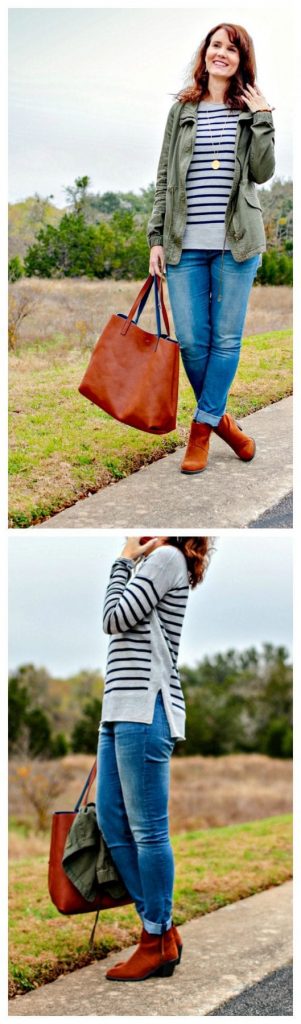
(280, 515)
(271, 997)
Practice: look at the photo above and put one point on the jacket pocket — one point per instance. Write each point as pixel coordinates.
(251, 194)
(247, 220)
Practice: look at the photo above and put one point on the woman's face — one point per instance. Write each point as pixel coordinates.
(222, 56)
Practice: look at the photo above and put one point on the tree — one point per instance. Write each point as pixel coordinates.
(18, 703)
(38, 210)
(15, 269)
(275, 720)
(59, 746)
(240, 701)
(85, 733)
(77, 194)
(39, 786)
(39, 730)
(107, 203)
(20, 305)
(64, 251)
(30, 716)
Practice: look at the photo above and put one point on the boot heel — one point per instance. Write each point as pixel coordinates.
(166, 970)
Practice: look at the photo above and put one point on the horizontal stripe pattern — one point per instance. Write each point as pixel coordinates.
(208, 190)
(127, 618)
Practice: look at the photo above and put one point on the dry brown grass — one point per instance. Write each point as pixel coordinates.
(219, 791)
(77, 309)
(205, 792)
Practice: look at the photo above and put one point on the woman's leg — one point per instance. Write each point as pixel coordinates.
(189, 294)
(227, 322)
(143, 756)
(112, 817)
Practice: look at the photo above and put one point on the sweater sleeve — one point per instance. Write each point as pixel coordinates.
(129, 601)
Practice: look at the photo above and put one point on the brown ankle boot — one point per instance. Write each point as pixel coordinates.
(230, 432)
(178, 941)
(156, 955)
(196, 455)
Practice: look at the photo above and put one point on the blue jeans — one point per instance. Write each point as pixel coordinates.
(132, 792)
(209, 329)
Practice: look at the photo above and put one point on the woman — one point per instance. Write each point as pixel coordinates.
(206, 226)
(143, 716)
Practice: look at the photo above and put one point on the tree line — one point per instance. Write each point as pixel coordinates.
(235, 702)
(101, 236)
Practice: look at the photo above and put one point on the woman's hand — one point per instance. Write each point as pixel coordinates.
(132, 548)
(157, 260)
(255, 99)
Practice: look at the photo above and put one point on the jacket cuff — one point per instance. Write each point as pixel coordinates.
(265, 115)
(155, 239)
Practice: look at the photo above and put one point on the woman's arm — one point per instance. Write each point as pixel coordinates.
(262, 149)
(156, 222)
(129, 601)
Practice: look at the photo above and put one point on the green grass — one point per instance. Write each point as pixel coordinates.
(214, 867)
(63, 448)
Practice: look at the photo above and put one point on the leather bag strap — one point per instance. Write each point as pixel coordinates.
(86, 790)
(141, 300)
(159, 302)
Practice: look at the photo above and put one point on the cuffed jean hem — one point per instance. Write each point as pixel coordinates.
(201, 416)
(156, 929)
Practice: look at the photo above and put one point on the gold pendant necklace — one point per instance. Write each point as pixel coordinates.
(215, 164)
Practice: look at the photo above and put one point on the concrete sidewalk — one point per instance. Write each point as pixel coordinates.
(229, 492)
(223, 953)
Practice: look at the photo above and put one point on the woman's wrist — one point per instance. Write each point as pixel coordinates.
(131, 550)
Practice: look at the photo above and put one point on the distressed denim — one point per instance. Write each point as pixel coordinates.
(209, 330)
(133, 767)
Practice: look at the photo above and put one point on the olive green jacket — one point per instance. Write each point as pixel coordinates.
(87, 860)
(254, 162)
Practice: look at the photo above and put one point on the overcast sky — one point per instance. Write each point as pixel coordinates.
(90, 89)
(57, 584)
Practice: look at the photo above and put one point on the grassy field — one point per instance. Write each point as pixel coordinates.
(62, 447)
(214, 867)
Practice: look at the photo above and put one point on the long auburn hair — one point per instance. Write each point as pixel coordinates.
(197, 551)
(246, 71)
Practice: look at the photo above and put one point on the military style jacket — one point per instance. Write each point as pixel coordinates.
(87, 860)
(254, 162)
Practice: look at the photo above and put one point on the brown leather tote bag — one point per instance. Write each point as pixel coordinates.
(132, 374)
(64, 894)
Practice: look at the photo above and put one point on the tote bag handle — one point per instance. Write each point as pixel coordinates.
(141, 300)
(86, 790)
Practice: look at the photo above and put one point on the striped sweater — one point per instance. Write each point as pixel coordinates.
(208, 190)
(143, 613)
